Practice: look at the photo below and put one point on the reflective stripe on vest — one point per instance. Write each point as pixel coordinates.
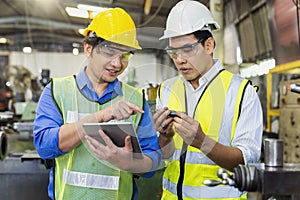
(91, 180)
(80, 160)
(193, 157)
(203, 192)
(219, 107)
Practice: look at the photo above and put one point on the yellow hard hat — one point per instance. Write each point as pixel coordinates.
(114, 25)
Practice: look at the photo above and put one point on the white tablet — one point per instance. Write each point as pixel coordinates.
(116, 131)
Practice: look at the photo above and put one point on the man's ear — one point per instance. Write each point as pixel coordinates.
(209, 45)
(87, 48)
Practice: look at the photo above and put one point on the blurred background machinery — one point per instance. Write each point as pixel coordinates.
(289, 121)
(22, 172)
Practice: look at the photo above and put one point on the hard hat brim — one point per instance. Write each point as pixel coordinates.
(170, 34)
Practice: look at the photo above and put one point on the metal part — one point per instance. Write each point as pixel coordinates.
(23, 126)
(225, 176)
(25, 130)
(6, 117)
(246, 178)
(295, 88)
(23, 177)
(11, 22)
(279, 69)
(3, 145)
(289, 122)
(273, 152)
(267, 180)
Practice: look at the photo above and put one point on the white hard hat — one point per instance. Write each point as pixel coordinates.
(187, 17)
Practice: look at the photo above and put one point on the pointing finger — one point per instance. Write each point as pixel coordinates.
(135, 108)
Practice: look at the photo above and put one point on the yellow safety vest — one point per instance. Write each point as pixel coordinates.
(217, 111)
(79, 174)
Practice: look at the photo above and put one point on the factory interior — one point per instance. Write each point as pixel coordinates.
(258, 39)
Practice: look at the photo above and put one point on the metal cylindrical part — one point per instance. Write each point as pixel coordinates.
(3, 145)
(273, 152)
(295, 88)
(247, 178)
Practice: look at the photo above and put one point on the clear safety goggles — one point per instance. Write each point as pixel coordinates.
(113, 52)
(185, 51)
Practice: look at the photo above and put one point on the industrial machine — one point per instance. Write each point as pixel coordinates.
(23, 174)
(272, 182)
(289, 126)
(277, 177)
(273, 178)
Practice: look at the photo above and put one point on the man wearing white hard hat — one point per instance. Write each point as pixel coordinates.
(218, 121)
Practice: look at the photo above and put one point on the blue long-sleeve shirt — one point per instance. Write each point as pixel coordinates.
(49, 120)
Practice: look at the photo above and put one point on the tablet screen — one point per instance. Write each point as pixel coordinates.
(116, 131)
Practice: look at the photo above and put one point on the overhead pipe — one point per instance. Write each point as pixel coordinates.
(48, 23)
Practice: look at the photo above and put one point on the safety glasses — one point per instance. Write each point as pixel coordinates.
(113, 52)
(185, 51)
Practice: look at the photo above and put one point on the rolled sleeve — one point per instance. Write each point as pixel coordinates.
(249, 128)
(46, 126)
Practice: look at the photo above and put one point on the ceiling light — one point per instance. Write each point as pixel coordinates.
(75, 12)
(147, 7)
(93, 14)
(3, 40)
(27, 50)
(8, 84)
(258, 69)
(75, 51)
(85, 11)
(91, 8)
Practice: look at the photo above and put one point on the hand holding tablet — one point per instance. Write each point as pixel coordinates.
(117, 132)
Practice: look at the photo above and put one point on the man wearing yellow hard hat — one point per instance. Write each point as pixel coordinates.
(80, 166)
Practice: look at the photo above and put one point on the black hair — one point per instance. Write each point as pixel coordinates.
(203, 34)
(93, 40)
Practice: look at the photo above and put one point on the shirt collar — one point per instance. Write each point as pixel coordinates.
(212, 72)
(209, 75)
(83, 82)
